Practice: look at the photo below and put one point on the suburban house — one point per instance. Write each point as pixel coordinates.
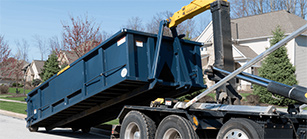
(251, 36)
(67, 57)
(34, 70)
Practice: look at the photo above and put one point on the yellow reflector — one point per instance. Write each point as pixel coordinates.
(195, 120)
(61, 71)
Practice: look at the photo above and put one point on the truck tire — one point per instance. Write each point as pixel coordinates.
(174, 126)
(48, 129)
(33, 129)
(240, 128)
(137, 125)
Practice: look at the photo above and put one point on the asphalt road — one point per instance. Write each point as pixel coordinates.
(14, 128)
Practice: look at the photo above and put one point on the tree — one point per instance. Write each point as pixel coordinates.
(23, 50)
(5, 51)
(12, 69)
(81, 36)
(55, 45)
(187, 27)
(303, 8)
(50, 67)
(241, 8)
(18, 62)
(41, 45)
(135, 23)
(276, 67)
(153, 25)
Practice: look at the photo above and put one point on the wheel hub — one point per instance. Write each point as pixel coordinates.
(172, 133)
(235, 134)
(132, 131)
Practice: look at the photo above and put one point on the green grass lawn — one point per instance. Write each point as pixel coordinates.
(5, 95)
(14, 98)
(113, 122)
(13, 90)
(212, 95)
(13, 107)
(245, 94)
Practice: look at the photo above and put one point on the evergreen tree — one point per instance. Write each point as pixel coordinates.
(276, 67)
(51, 67)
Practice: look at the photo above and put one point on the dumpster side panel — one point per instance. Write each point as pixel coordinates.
(93, 72)
(111, 75)
(116, 61)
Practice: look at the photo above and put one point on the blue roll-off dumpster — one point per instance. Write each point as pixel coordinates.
(118, 72)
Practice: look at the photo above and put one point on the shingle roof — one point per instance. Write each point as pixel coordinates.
(71, 56)
(262, 25)
(246, 51)
(39, 65)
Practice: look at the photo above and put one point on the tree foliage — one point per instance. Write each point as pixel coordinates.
(187, 27)
(276, 67)
(81, 36)
(41, 45)
(5, 51)
(135, 23)
(55, 45)
(11, 69)
(50, 68)
(4, 56)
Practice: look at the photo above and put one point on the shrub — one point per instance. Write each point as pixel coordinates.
(17, 85)
(4, 89)
(36, 82)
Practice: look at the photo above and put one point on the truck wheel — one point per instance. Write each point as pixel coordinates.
(48, 129)
(86, 129)
(175, 127)
(240, 128)
(33, 129)
(137, 125)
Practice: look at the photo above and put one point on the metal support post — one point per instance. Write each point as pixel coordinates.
(223, 47)
(157, 51)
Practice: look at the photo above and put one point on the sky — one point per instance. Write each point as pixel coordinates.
(23, 19)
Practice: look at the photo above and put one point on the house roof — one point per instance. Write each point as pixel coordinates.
(246, 51)
(70, 55)
(263, 24)
(39, 65)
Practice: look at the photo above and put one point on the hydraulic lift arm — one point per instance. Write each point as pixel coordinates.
(222, 39)
(189, 11)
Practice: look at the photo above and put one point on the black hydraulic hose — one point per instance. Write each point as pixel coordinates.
(296, 92)
(248, 77)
